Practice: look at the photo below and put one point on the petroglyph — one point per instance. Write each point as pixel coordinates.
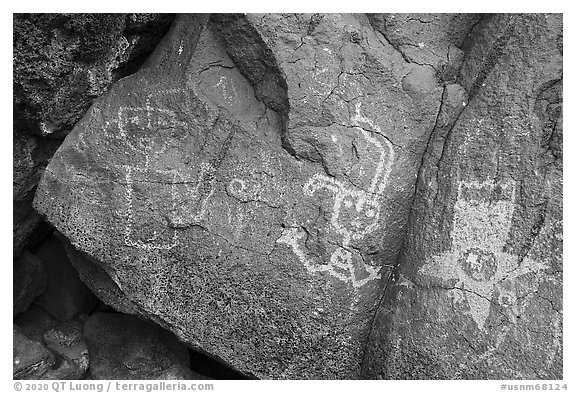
(355, 212)
(228, 90)
(341, 264)
(144, 239)
(140, 129)
(243, 191)
(477, 261)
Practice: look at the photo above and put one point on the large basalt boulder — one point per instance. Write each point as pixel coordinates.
(250, 188)
(61, 64)
(478, 292)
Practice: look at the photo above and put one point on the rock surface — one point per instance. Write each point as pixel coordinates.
(29, 281)
(252, 186)
(61, 64)
(253, 215)
(124, 347)
(478, 291)
(68, 343)
(47, 349)
(31, 360)
(34, 322)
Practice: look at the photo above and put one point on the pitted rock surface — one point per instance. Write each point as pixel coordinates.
(478, 292)
(251, 187)
(61, 64)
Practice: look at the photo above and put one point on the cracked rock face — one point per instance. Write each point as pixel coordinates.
(250, 188)
(478, 292)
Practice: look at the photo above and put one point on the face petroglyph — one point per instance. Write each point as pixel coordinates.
(355, 212)
(478, 264)
(477, 261)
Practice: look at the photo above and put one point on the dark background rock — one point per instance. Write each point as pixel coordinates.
(478, 290)
(66, 296)
(34, 322)
(68, 343)
(62, 62)
(124, 347)
(29, 281)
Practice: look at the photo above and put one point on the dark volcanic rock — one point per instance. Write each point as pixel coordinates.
(67, 342)
(270, 168)
(478, 292)
(61, 343)
(34, 322)
(31, 360)
(66, 296)
(29, 281)
(432, 39)
(124, 347)
(61, 64)
(250, 189)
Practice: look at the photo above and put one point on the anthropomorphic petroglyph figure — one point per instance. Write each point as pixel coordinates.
(147, 131)
(478, 261)
(355, 211)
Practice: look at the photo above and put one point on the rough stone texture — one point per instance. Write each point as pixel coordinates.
(63, 61)
(30, 158)
(49, 350)
(433, 39)
(67, 342)
(29, 281)
(61, 64)
(66, 296)
(125, 347)
(251, 187)
(478, 291)
(265, 192)
(31, 360)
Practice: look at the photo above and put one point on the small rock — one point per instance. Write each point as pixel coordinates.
(30, 358)
(67, 341)
(125, 347)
